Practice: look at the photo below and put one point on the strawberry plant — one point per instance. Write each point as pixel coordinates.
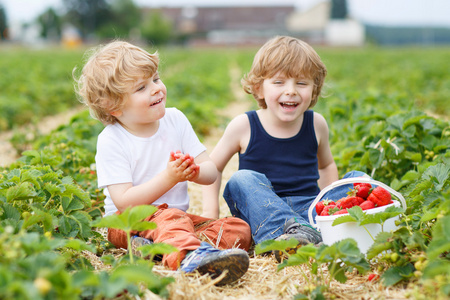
(42, 200)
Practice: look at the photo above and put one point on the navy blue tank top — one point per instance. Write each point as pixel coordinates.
(290, 164)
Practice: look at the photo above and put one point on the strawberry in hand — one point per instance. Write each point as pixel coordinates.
(380, 196)
(320, 205)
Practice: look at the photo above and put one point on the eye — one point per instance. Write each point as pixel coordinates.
(156, 79)
(140, 88)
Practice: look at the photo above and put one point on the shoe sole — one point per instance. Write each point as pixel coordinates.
(236, 263)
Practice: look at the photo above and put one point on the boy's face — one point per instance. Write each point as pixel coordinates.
(146, 103)
(286, 97)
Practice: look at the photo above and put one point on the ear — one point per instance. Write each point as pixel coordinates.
(116, 113)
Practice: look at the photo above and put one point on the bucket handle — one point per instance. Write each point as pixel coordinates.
(347, 181)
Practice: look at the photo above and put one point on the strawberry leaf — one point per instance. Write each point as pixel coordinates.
(438, 174)
(396, 274)
(380, 244)
(270, 245)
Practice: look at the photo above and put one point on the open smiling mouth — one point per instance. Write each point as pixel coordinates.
(288, 104)
(157, 102)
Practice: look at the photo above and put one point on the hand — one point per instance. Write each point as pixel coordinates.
(182, 167)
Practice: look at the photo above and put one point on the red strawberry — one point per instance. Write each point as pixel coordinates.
(349, 201)
(379, 196)
(329, 210)
(362, 189)
(341, 212)
(320, 205)
(367, 205)
(373, 277)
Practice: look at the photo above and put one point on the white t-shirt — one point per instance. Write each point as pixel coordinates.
(123, 157)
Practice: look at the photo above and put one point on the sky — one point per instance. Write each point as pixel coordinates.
(377, 12)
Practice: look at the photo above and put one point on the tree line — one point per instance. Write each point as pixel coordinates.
(100, 19)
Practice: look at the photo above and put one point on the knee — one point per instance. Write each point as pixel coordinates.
(239, 231)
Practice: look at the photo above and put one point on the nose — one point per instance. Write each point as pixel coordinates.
(155, 89)
(290, 89)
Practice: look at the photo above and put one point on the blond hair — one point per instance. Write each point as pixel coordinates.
(290, 56)
(109, 75)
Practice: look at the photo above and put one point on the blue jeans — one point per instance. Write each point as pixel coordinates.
(250, 196)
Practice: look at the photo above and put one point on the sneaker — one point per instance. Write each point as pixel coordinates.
(303, 233)
(136, 242)
(208, 260)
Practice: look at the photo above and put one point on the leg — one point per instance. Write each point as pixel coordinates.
(223, 233)
(174, 227)
(250, 196)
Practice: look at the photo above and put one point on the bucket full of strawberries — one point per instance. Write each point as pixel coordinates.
(370, 195)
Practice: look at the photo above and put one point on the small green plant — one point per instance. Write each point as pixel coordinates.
(130, 219)
(339, 258)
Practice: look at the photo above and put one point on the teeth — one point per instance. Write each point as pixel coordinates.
(159, 101)
(289, 104)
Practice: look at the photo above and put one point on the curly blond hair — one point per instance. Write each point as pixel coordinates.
(293, 58)
(108, 76)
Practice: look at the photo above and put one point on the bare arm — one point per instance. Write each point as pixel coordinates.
(228, 145)
(327, 167)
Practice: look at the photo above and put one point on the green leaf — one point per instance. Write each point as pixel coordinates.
(376, 157)
(156, 249)
(440, 243)
(129, 219)
(79, 245)
(436, 267)
(381, 217)
(9, 212)
(414, 156)
(52, 188)
(33, 156)
(339, 272)
(71, 204)
(270, 245)
(83, 221)
(24, 191)
(138, 274)
(380, 244)
(396, 274)
(411, 175)
(302, 256)
(438, 174)
(344, 219)
(31, 176)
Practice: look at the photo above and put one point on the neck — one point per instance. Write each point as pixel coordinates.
(144, 130)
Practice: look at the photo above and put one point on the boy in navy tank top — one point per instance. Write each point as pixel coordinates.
(284, 152)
